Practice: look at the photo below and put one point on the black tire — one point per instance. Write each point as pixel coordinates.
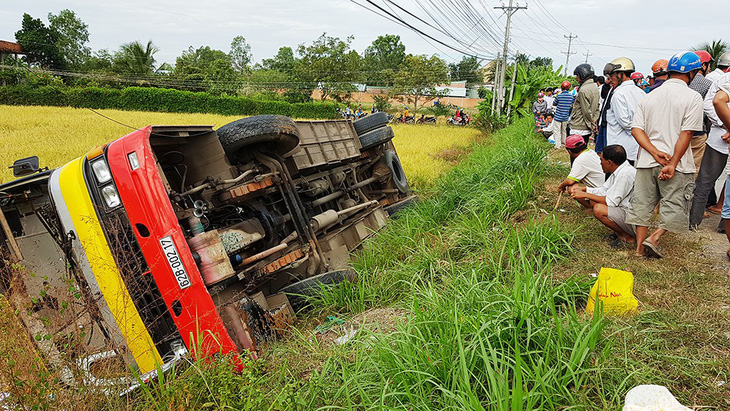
(297, 292)
(370, 123)
(272, 133)
(396, 171)
(394, 209)
(376, 137)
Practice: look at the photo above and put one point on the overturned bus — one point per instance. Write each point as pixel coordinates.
(184, 239)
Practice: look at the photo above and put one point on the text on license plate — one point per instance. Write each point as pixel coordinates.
(176, 264)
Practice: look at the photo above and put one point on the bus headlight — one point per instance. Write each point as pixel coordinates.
(111, 197)
(101, 171)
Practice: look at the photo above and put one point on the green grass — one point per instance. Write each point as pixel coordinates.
(484, 324)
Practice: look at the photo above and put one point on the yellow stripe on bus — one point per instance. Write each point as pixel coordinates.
(91, 236)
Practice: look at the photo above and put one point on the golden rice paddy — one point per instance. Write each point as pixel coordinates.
(59, 134)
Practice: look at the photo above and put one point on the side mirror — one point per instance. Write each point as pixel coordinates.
(25, 166)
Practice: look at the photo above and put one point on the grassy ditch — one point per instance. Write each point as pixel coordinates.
(481, 322)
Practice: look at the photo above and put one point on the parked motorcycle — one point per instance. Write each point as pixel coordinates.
(426, 120)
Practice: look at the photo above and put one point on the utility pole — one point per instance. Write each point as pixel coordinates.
(509, 11)
(568, 53)
(588, 54)
(496, 81)
(512, 89)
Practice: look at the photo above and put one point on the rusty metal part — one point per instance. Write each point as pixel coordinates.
(237, 324)
(282, 262)
(215, 265)
(264, 254)
(246, 189)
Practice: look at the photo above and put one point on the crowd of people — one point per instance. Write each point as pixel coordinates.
(661, 144)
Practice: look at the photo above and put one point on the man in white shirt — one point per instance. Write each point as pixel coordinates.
(620, 114)
(586, 166)
(547, 130)
(714, 159)
(723, 65)
(610, 203)
(663, 126)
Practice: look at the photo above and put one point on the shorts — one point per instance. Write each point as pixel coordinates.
(618, 216)
(674, 196)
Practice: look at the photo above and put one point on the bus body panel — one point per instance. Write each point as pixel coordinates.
(147, 203)
(90, 234)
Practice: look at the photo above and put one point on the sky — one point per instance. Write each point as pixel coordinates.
(641, 30)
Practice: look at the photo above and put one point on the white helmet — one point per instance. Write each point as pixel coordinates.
(724, 60)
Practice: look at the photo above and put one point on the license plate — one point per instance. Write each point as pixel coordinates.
(176, 264)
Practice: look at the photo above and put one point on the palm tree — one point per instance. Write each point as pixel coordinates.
(716, 49)
(135, 58)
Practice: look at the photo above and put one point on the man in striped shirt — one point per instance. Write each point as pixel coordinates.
(562, 105)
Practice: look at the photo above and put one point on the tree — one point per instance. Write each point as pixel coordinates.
(240, 54)
(40, 43)
(283, 61)
(135, 58)
(72, 36)
(467, 69)
(546, 62)
(206, 69)
(417, 78)
(382, 58)
(716, 48)
(330, 65)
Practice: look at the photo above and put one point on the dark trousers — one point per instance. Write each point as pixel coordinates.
(713, 164)
(601, 139)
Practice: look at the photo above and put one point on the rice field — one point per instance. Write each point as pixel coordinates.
(59, 134)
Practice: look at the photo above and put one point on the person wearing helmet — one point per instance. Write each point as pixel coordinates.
(723, 66)
(625, 99)
(721, 103)
(659, 73)
(585, 109)
(701, 85)
(637, 77)
(562, 106)
(663, 125)
(716, 150)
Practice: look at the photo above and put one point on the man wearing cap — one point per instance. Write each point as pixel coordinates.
(663, 126)
(586, 166)
(660, 75)
(610, 202)
(620, 114)
(585, 109)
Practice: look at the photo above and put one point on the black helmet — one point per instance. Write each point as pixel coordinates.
(584, 71)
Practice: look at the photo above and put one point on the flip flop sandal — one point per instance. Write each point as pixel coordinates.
(651, 249)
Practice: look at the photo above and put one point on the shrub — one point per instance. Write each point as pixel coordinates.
(158, 99)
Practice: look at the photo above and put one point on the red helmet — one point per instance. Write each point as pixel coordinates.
(637, 76)
(704, 56)
(565, 85)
